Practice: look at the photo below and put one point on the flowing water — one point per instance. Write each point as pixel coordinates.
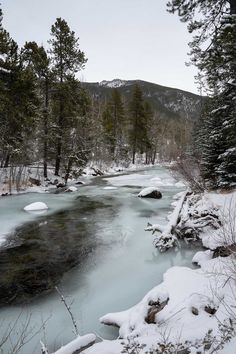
(119, 264)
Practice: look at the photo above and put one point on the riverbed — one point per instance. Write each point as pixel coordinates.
(121, 264)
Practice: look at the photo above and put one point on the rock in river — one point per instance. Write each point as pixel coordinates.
(36, 206)
(150, 192)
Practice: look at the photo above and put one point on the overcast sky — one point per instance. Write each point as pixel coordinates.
(126, 39)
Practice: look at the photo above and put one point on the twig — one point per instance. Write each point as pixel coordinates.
(68, 309)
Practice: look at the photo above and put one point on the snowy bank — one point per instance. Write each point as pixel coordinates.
(78, 344)
(193, 310)
(189, 308)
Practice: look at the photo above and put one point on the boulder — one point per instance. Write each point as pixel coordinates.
(209, 309)
(150, 192)
(36, 206)
(61, 185)
(194, 311)
(155, 307)
(35, 181)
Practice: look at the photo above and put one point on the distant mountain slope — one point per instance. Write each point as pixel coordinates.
(168, 102)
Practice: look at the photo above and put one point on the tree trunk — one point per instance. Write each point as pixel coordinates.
(6, 164)
(133, 159)
(58, 155)
(146, 158)
(45, 145)
(59, 139)
(60, 120)
(68, 169)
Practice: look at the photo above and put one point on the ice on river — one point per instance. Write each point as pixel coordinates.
(146, 179)
(12, 212)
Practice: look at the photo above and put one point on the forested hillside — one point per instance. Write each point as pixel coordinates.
(49, 118)
(167, 102)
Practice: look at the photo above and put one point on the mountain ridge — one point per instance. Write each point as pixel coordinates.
(167, 102)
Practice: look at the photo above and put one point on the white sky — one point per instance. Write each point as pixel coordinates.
(126, 39)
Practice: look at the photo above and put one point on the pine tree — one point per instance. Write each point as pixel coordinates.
(213, 50)
(19, 102)
(113, 122)
(148, 144)
(138, 122)
(36, 57)
(67, 59)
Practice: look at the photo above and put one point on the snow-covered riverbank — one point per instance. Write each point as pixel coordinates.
(192, 310)
(30, 179)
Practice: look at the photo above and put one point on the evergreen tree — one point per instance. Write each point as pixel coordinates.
(113, 122)
(213, 50)
(18, 102)
(138, 123)
(148, 144)
(67, 59)
(36, 57)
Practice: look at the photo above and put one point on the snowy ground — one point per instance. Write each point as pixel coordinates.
(36, 172)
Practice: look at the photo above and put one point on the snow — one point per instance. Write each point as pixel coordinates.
(202, 256)
(71, 189)
(188, 291)
(226, 204)
(138, 179)
(131, 320)
(36, 206)
(147, 191)
(77, 344)
(113, 84)
(180, 184)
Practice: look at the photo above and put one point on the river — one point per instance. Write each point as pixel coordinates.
(120, 263)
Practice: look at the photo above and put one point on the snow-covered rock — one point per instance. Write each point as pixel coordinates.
(202, 256)
(71, 189)
(36, 206)
(150, 192)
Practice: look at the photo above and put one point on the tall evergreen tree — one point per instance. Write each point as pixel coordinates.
(138, 122)
(19, 102)
(37, 58)
(113, 122)
(67, 59)
(148, 144)
(213, 50)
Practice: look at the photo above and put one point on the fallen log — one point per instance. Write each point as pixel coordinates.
(167, 239)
